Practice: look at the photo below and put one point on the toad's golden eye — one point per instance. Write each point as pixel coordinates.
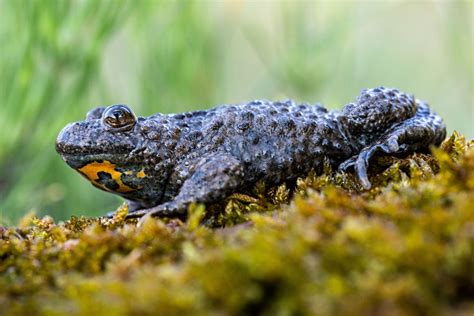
(119, 117)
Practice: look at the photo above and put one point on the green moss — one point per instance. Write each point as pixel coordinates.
(403, 248)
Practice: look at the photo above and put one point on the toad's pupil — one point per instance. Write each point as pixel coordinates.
(118, 115)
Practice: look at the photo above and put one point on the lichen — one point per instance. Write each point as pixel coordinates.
(319, 246)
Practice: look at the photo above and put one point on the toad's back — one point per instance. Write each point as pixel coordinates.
(275, 141)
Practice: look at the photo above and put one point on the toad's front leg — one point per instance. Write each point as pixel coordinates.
(218, 176)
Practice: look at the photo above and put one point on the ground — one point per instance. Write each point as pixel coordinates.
(320, 246)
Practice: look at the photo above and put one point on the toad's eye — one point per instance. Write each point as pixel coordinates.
(119, 117)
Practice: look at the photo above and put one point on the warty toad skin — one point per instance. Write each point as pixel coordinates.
(162, 163)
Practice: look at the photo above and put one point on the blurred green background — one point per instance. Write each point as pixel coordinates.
(58, 59)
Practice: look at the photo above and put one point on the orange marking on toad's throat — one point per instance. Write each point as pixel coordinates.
(91, 171)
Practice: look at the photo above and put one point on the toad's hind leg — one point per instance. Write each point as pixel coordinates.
(417, 133)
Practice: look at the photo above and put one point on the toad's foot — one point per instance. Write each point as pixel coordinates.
(170, 209)
(361, 162)
(417, 133)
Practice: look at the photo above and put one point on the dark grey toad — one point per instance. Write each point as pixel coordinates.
(162, 163)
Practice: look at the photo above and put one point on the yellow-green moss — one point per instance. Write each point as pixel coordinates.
(406, 247)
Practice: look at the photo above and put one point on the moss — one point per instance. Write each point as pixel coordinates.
(319, 246)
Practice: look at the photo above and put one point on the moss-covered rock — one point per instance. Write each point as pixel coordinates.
(320, 246)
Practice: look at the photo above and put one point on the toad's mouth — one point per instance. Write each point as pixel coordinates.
(79, 160)
(73, 150)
